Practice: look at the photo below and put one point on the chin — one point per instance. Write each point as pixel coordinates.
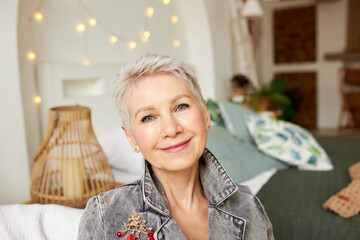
(178, 165)
(182, 160)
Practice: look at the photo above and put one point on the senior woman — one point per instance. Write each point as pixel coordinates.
(184, 193)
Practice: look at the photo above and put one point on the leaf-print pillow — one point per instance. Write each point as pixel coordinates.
(287, 142)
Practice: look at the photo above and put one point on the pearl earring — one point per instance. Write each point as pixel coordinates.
(136, 149)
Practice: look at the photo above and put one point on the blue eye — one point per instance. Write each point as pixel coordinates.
(146, 118)
(182, 107)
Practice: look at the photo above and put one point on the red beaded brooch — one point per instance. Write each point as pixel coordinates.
(136, 226)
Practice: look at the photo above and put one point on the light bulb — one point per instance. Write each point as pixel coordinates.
(174, 19)
(31, 55)
(80, 27)
(92, 22)
(176, 43)
(86, 62)
(113, 39)
(37, 99)
(132, 45)
(38, 16)
(150, 11)
(166, 2)
(145, 39)
(146, 34)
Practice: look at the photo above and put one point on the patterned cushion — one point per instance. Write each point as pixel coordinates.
(288, 143)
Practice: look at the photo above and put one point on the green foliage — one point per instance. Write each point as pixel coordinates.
(278, 85)
(275, 91)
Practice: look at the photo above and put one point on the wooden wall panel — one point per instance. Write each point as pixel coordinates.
(295, 35)
(353, 27)
(302, 89)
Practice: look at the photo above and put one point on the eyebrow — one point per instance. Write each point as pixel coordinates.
(147, 108)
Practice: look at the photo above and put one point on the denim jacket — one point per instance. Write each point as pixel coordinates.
(233, 213)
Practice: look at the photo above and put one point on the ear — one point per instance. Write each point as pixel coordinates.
(207, 115)
(131, 139)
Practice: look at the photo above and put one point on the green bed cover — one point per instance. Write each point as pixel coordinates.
(293, 199)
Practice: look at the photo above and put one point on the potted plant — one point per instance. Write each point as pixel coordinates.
(272, 97)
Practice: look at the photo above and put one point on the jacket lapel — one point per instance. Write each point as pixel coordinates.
(218, 186)
(223, 225)
(170, 230)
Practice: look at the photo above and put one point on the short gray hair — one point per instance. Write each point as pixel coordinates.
(146, 66)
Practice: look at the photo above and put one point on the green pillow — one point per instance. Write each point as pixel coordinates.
(234, 118)
(241, 160)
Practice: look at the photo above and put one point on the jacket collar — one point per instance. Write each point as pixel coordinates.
(217, 184)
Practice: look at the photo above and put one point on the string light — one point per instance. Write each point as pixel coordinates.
(176, 43)
(31, 55)
(92, 22)
(144, 39)
(132, 45)
(86, 62)
(80, 27)
(146, 34)
(174, 19)
(37, 99)
(113, 39)
(150, 11)
(38, 16)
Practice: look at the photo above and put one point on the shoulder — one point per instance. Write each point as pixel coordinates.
(243, 194)
(122, 199)
(251, 209)
(121, 192)
(121, 196)
(244, 189)
(105, 212)
(243, 203)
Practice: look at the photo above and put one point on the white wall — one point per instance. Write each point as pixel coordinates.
(28, 83)
(14, 167)
(219, 22)
(57, 43)
(203, 30)
(210, 45)
(200, 44)
(331, 27)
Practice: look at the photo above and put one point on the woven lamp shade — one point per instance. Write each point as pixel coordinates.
(70, 166)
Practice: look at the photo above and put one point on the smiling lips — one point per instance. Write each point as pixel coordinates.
(177, 147)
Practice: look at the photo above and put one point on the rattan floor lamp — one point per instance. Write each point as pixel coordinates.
(70, 165)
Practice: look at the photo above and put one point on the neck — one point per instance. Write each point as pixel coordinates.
(183, 189)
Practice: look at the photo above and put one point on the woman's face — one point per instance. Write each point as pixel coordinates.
(167, 123)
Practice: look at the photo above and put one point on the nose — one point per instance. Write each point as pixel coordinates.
(170, 126)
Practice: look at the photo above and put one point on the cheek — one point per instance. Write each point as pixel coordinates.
(144, 138)
(196, 120)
